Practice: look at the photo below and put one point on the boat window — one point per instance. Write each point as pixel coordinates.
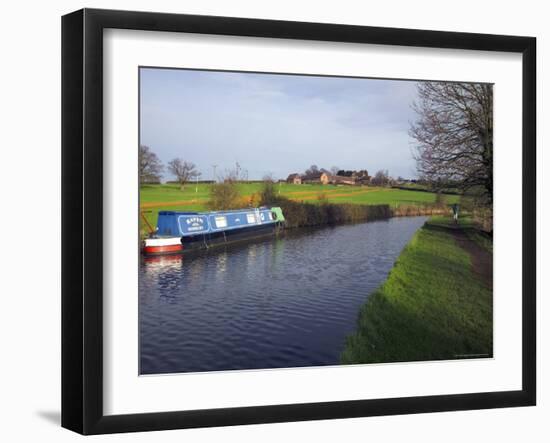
(221, 222)
(272, 216)
(250, 218)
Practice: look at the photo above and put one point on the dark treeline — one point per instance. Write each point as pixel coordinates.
(431, 191)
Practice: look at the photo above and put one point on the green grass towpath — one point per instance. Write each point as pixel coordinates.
(434, 304)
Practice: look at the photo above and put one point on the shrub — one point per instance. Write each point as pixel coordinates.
(322, 198)
(224, 195)
(268, 195)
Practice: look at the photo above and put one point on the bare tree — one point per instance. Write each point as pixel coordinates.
(183, 171)
(334, 170)
(225, 194)
(312, 170)
(268, 194)
(454, 134)
(150, 166)
(381, 178)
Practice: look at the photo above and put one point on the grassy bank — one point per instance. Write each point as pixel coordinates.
(152, 196)
(432, 306)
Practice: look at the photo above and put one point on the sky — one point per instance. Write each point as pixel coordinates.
(276, 124)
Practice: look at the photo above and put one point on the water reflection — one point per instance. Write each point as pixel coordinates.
(282, 302)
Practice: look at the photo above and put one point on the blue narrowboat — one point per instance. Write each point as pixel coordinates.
(179, 232)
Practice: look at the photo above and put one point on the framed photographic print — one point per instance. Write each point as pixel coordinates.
(269, 221)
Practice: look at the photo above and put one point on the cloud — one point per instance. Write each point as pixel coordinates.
(277, 123)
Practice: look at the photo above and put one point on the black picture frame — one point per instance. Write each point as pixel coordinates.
(82, 215)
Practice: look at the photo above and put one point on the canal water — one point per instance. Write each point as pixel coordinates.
(288, 301)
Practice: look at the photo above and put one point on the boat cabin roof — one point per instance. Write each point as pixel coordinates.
(228, 211)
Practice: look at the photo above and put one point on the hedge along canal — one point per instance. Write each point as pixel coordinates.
(301, 214)
(436, 303)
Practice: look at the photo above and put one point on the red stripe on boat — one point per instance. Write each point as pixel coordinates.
(162, 249)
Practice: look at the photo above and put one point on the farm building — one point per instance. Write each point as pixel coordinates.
(318, 177)
(341, 180)
(364, 180)
(294, 179)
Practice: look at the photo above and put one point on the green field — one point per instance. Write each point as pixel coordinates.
(434, 304)
(194, 197)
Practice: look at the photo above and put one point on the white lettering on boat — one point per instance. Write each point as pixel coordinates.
(192, 224)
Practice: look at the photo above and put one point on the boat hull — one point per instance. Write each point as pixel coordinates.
(162, 246)
(186, 244)
(209, 240)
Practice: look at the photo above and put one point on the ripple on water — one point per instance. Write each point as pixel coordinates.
(284, 302)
